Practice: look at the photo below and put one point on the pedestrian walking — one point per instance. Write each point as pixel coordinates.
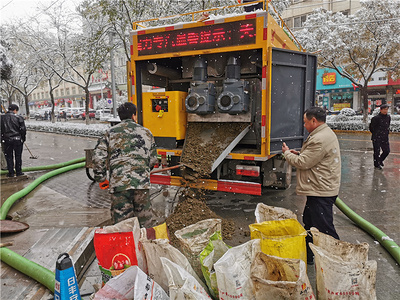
(318, 173)
(13, 135)
(128, 152)
(379, 128)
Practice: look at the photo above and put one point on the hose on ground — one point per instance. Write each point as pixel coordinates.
(18, 262)
(30, 268)
(49, 167)
(379, 235)
(47, 277)
(14, 197)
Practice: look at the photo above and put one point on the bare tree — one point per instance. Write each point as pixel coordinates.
(6, 63)
(27, 80)
(38, 44)
(8, 90)
(80, 47)
(25, 77)
(53, 82)
(356, 46)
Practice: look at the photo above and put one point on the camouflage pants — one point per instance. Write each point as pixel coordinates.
(132, 203)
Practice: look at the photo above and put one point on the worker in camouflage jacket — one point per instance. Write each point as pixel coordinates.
(128, 152)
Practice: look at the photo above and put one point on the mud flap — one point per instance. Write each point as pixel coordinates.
(276, 173)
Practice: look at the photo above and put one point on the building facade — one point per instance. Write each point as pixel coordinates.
(336, 92)
(296, 14)
(72, 95)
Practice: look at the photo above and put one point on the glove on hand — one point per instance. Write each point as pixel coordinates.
(104, 185)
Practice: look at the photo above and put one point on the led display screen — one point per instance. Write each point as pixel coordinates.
(205, 37)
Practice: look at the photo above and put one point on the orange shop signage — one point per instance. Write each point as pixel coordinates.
(329, 78)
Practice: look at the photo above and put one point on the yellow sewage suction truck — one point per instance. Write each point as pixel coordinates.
(220, 95)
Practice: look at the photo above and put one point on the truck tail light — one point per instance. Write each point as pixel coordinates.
(253, 171)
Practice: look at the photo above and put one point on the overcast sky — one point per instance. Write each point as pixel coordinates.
(23, 9)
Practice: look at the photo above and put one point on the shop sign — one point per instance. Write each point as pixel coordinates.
(340, 106)
(329, 78)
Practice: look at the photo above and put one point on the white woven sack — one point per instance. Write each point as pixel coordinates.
(338, 279)
(346, 251)
(182, 285)
(154, 250)
(195, 237)
(233, 271)
(131, 284)
(280, 278)
(272, 213)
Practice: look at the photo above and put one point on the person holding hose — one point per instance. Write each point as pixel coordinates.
(318, 174)
(128, 152)
(13, 136)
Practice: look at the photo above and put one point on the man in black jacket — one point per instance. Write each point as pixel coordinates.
(379, 128)
(13, 135)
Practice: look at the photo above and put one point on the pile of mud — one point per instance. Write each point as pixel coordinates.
(190, 211)
(205, 142)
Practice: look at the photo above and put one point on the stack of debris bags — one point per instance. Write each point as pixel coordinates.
(204, 267)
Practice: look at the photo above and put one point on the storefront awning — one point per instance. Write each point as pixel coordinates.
(97, 87)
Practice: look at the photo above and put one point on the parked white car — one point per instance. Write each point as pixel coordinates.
(77, 112)
(103, 114)
(68, 111)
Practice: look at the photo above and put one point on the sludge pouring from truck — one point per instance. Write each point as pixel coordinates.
(231, 89)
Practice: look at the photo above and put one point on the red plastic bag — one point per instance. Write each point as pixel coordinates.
(117, 248)
(115, 253)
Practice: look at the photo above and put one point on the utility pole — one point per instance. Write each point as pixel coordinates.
(113, 74)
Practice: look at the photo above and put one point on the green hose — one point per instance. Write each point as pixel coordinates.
(379, 235)
(14, 197)
(18, 262)
(49, 167)
(30, 268)
(47, 277)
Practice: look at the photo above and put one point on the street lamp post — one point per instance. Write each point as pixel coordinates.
(113, 74)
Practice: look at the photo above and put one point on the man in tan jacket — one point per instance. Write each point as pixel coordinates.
(318, 167)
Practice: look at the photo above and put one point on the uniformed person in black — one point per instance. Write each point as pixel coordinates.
(379, 128)
(13, 135)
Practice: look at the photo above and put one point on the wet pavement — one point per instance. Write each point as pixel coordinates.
(71, 200)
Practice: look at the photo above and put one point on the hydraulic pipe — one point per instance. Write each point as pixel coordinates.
(166, 169)
(49, 167)
(18, 262)
(379, 235)
(14, 197)
(30, 268)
